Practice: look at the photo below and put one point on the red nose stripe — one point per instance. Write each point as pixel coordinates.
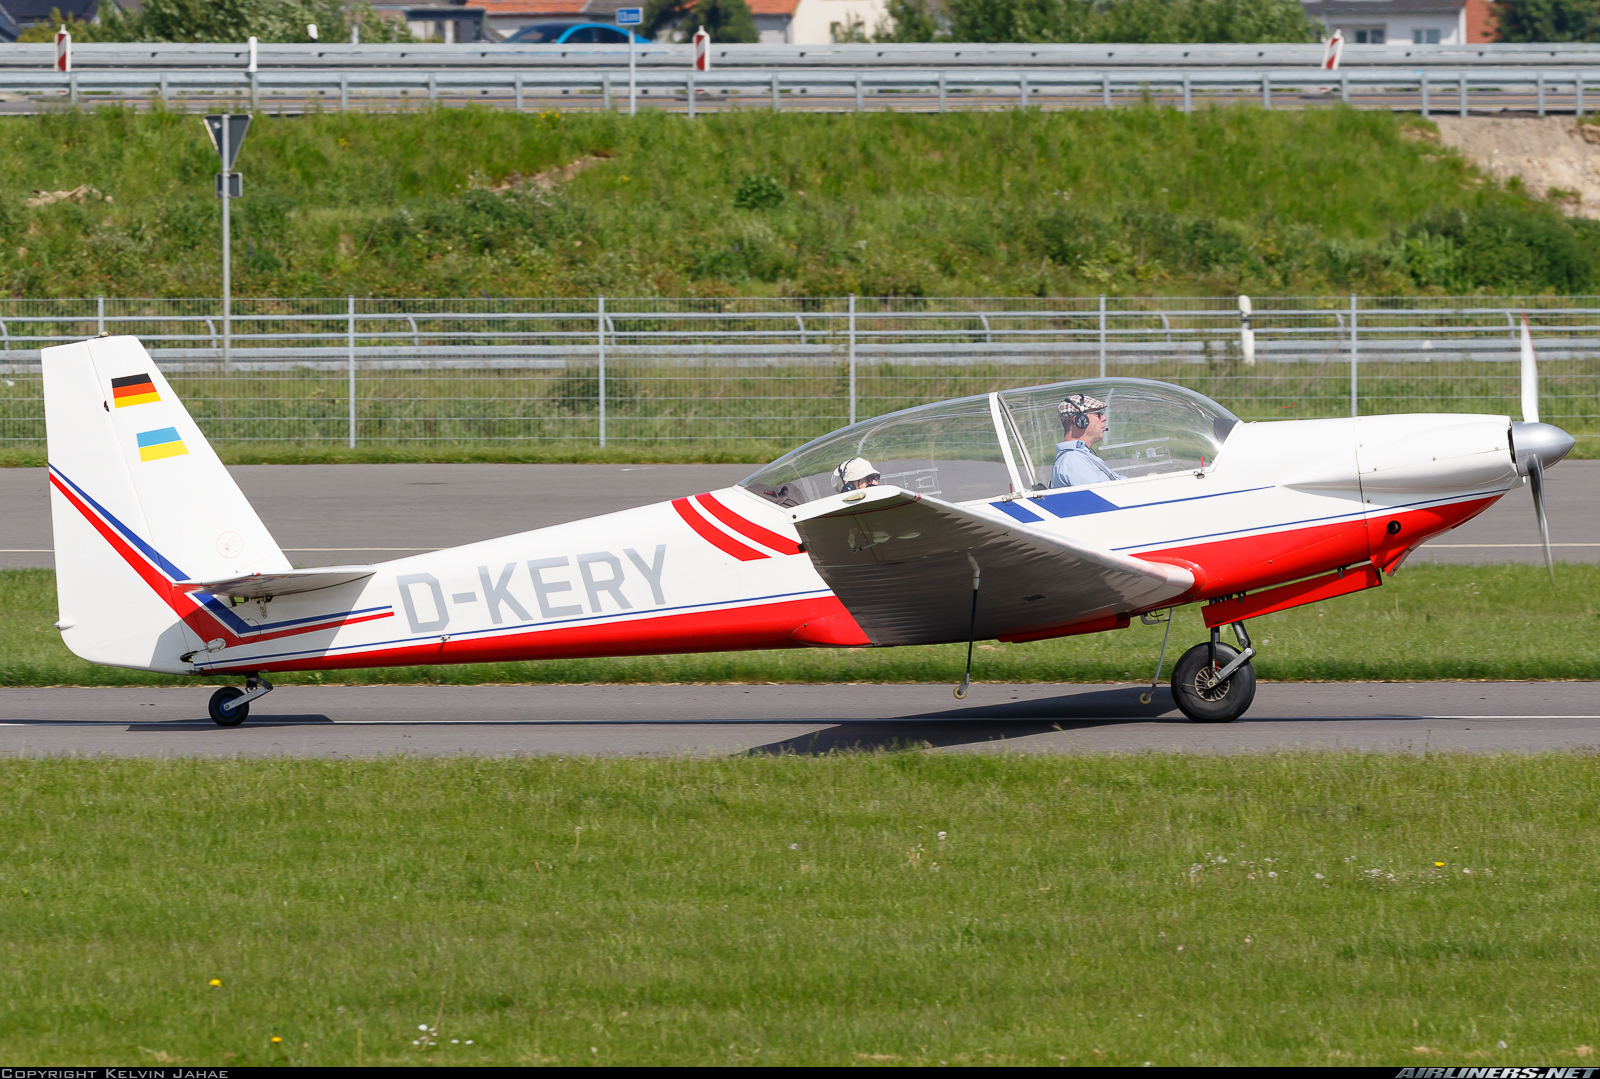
(749, 529)
(718, 539)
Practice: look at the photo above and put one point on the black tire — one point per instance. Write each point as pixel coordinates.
(1221, 704)
(233, 716)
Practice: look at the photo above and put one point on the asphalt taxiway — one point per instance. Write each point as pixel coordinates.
(375, 721)
(324, 515)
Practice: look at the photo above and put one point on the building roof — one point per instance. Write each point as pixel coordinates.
(772, 7)
(32, 11)
(1377, 9)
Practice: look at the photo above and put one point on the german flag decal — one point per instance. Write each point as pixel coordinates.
(133, 390)
(154, 445)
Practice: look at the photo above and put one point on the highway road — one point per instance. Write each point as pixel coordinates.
(339, 721)
(340, 514)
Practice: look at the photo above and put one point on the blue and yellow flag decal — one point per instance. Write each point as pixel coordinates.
(154, 445)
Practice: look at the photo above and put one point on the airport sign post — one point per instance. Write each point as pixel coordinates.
(629, 17)
(227, 135)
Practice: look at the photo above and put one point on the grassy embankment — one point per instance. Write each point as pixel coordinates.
(1428, 622)
(904, 908)
(1136, 201)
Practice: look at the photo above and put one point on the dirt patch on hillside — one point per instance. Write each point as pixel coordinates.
(1556, 158)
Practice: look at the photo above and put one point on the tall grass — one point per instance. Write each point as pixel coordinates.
(1140, 200)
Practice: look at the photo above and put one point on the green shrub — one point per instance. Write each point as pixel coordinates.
(758, 192)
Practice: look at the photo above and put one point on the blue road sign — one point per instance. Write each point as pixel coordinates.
(630, 16)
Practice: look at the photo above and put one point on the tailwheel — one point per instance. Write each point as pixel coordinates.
(1221, 703)
(223, 711)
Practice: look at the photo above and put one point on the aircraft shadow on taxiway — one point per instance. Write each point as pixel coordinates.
(972, 724)
(998, 722)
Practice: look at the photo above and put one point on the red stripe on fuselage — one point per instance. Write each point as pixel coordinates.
(717, 538)
(748, 529)
(765, 625)
(204, 624)
(1249, 562)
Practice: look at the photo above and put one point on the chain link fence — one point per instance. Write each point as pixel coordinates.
(615, 371)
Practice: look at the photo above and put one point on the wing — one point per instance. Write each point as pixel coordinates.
(899, 562)
(286, 583)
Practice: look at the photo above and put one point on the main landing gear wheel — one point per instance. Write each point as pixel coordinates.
(1222, 703)
(223, 712)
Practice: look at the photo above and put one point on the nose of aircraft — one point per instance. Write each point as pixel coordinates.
(1545, 441)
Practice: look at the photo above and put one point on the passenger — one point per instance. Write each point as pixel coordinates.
(854, 474)
(1083, 419)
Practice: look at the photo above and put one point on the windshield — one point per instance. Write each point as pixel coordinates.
(1150, 427)
(952, 450)
(540, 33)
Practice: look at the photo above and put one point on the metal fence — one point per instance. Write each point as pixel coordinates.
(776, 372)
(1428, 90)
(337, 55)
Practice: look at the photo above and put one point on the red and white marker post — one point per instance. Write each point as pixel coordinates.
(63, 50)
(1332, 51)
(702, 50)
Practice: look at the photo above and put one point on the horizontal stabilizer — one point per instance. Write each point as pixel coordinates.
(901, 564)
(285, 583)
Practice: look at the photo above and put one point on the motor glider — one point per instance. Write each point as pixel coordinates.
(965, 532)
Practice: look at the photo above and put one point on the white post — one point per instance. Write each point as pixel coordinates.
(632, 78)
(605, 88)
(852, 357)
(1424, 94)
(250, 72)
(601, 337)
(1102, 335)
(100, 315)
(691, 93)
(350, 357)
(1354, 411)
(777, 102)
(227, 255)
(519, 92)
(941, 91)
(1247, 332)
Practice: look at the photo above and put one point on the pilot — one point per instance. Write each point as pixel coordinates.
(1083, 419)
(854, 474)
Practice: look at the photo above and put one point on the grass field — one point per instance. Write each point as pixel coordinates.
(1428, 622)
(1139, 201)
(1319, 909)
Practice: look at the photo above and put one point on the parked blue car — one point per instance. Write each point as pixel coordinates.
(567, 33)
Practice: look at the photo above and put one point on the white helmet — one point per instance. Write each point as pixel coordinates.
(852, 472)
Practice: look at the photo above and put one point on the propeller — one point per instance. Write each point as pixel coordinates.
(1535, 445)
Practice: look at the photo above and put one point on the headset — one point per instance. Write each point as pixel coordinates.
(1080, 420)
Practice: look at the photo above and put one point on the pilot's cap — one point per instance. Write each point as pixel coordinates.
(853, 471)
(1080, 403)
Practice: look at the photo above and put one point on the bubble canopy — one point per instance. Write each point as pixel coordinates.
(997, 444)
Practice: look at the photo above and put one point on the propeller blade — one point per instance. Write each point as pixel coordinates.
(1536, 482)
(1530, 375)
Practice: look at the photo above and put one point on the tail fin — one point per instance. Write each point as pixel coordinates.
(139, 502)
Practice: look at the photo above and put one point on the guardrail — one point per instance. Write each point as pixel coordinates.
(778, 371)
(342, 56)
(1426, 90)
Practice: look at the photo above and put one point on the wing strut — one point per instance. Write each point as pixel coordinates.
(972, 631)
